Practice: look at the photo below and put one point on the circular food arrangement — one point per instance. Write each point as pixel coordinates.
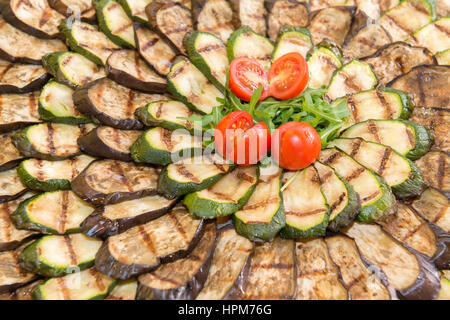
(224, 149)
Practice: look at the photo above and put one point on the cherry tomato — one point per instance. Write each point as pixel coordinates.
(245, 76)
(288, 76)
(237, 139)
(295, 145)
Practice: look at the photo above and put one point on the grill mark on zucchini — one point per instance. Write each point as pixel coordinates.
(385, 103)
(386, 154)
(259, 204)
(98, 281)
(373, 129)
(182, 170)
(64, 204)
(70, 250)
(50, 142)
(355, 174)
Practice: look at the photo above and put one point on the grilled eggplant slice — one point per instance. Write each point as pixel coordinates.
(34, 17)
(433, 36)
(292, 39)
(110, 181)
(20, 47)
(433, 206)
(12, 276)
(323, 63)
(331, 23)
(116, 218)
(21, 78)
(344, 203)
(190, 86)
(10, 156)
(407, 138)
(72, 68)
(50, 141)
(11, 187)
(44, 175)
(395, 59)
(262, 217)
(412, 275)
(57, 255)
(161, 146)
(124, 290)
(305, 206)
(143, 248)
(406, 18)
(276, 258)
(435, 168)
(11, 237)
(377, 200)
(225, 197)
(213, 16)
(57, 212)
(400, 173)
(94, 286)
(22, 293)
(172, 20)
(443, 57)
(428, 85)
(352, 77)
(112, 104)
(56, 105)
(115, 23)
(87, 40)
(110, 143)
(153, 49)
(190, 175)
(317, 275)
(286, 13)
(209, 54)
(82, 8)
(244, 38)
(355, 272)
(436, 120)
(169, 114)
(250, 13)
(135, 9)
(126, 68)
(18, 110)
(182, 279)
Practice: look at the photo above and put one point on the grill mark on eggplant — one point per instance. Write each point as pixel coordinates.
(178, 226)
(355, 174)
(373, 129)
(355, 281)
(147, 240)
(50, 142)
(65, 291)
(118, 168)
(166, 279)
(282, 266)
(72, 253)
(98, 280)
(385, 103)
(167, 139)
(137, 68)
(129, 108)
(6, 211)
(7, 68)
(440, 172)
(367, 42)
(177, 30)
(386, 155)
(33, 103)
(181, 169)
(355, 147)
(149, 44)
(304, 214)
(45, 16)
(64, 207)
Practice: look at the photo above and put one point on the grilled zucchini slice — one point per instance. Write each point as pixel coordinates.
(400, 173)
(286, 13)
(116, 218)
(95, 286)
(250, 13)
(18, 46)
(57, 212)
(322, 64)
(344, 203)
(67, 8)
(331, 23)
(407, 138)
(56, 105)
(107, 142)
(169, 114)
(58, 255)
(406, 18)
(161, 146)
(209, 54)
(87, 40)
(435, 168)
(11, 186)
(444, 293)
(292, 39)
(352, 77)
(226, 197)
(433, 36)
(12, 276)
(433, 206)
(127, 69)
(18, 110)
(190, 86)
(184, 278)
(153, 49)
(135, 9)
(305, 206)
(190, 175)
(124, 290)
(262, 217)
(443, 57)
(72, 68)
(10, 156)
(112, 104)
(50, 141)
(111, 181)
(21, 78)
(143, 248)
(44, 175)
(115, 23)
(244, 38)
(377, 200)
(213, 16)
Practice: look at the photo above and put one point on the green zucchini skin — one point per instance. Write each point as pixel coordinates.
(126, 7)
(413, 186)
(285, 30)
(424, 140)
(234, 36)
(289, 232)
(349, 213)
(407, 102)
(34, 184)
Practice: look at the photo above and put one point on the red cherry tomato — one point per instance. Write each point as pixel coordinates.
(295, 145)
(238, 140)
(245, 76)
(288, 76)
